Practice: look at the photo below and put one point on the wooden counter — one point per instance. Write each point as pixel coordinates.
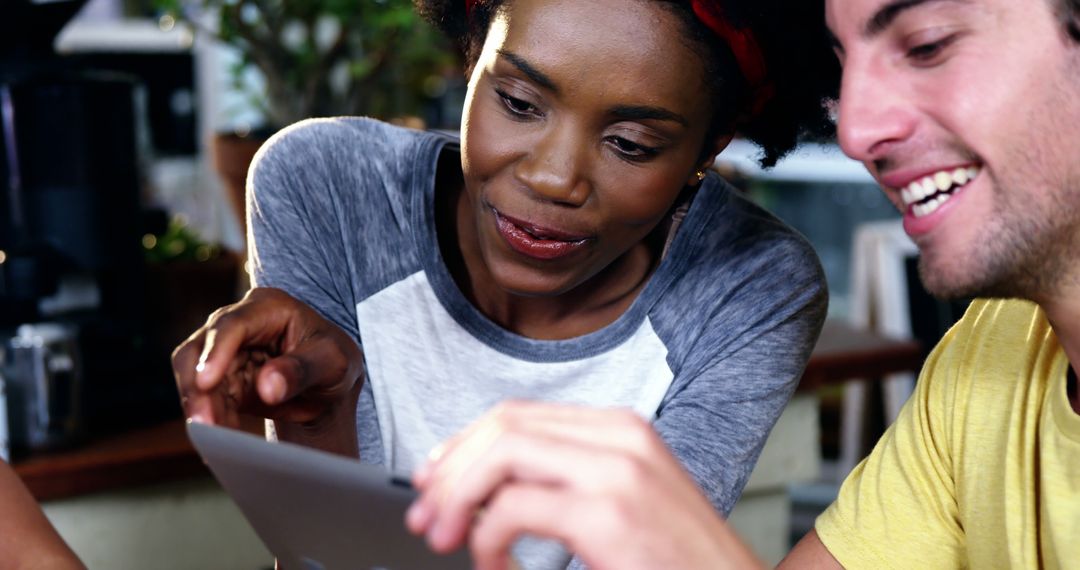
(843, 353)
(149, 455)
(163, 452)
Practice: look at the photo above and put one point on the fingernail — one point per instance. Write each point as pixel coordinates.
(432, 538)
(438, 536)
(273, 388)
(416, 518)
(198, 419)
(420, 476)
(204, 356)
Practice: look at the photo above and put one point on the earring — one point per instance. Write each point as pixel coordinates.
(700, 175)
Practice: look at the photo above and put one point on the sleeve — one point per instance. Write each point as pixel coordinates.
(898, 508)
(295, 235)
(746, 366)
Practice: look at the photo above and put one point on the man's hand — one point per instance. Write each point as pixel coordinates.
(600, 481)
(273, 356)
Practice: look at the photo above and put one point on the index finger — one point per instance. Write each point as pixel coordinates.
(223, 340)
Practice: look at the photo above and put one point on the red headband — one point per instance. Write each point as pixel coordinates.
(748, 54)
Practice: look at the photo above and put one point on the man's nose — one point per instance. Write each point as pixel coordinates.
(554, 168)
(875, 112)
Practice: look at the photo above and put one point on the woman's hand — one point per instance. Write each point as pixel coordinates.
(273, 356)
(600, 481)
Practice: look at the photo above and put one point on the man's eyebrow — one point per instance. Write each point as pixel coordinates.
(890, 12)
(644, 112)
(531, 72)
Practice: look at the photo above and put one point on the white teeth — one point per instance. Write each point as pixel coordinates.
(928, 187)
(943, 181)
(907, 196)
(930, 206)
(921, 210)
(935, 185)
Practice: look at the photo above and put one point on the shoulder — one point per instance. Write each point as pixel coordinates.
(735, 233)
(997, 322)
(742, 283)
(991, 337)
(910, 489)
(322, 143)
(984, 358)
(734, 250)
(335, 160)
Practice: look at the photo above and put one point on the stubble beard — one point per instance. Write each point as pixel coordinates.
(1031, 247)
(1027, 251)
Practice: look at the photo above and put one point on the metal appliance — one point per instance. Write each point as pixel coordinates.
(70, 240)
(43, 362)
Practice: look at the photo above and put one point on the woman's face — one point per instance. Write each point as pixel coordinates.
(583, 123)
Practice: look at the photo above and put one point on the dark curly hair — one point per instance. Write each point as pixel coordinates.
(797, 53)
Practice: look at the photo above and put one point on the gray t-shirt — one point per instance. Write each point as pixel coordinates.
(342, 217)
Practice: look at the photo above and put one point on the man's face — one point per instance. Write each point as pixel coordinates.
(967, 112)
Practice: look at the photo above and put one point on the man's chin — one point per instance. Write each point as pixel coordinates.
(951, 284)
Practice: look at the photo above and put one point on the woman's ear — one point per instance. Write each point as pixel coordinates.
(718, 145)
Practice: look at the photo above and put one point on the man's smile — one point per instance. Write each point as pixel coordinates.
(923, 196)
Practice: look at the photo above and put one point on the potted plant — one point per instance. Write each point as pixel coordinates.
(320, 58)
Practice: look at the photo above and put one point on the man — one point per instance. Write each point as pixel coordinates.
(981, 469)
(968, 114)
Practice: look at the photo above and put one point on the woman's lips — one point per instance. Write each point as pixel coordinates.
(535, 241)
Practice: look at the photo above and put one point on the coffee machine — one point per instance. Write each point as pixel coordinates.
(73, 349)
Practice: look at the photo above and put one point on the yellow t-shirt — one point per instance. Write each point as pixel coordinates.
(982, 467)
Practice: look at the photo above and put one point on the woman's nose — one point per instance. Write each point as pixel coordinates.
(554, 167)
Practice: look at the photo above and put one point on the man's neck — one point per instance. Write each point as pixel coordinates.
(1065, 318)
(1072, 390)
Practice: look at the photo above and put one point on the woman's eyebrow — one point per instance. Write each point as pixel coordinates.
(525, 67)
(629, 112)
(643, 112)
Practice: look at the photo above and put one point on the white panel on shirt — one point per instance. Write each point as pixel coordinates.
(430, 377)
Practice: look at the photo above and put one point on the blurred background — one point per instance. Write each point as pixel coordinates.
(126, 129)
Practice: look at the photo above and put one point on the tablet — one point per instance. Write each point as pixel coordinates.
(315, 510)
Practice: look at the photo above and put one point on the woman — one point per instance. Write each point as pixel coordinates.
(27, 540)
(572, 247)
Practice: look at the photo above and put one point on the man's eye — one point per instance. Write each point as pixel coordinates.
(517, 107)
(632, 150)
(928, 53)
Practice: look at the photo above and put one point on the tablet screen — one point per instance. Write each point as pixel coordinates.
(315, 510)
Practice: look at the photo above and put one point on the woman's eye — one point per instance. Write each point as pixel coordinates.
(518, 107)
(632, 150)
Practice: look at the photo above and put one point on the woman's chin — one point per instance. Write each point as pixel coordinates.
(534, 289)
(532, 282)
